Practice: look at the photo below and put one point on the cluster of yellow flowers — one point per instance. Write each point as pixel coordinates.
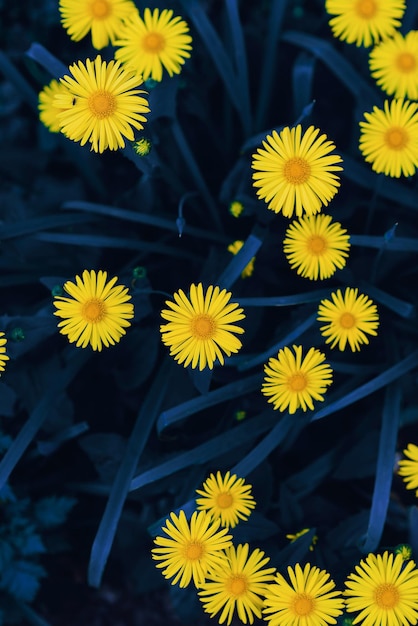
(201, 329)
(232, 580)
(101, 102)
(389, 136)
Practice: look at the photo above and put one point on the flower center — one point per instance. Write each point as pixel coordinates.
(396, 138)
(153, 42)
(93, 310)
(194, 550)
(366, 8)
(203, 326)
(100, 9)
(296, 171)
(406, 62)
(297, 382)
(317, 245)
(102, 104)
(237, 585)
(386, 596)
(302, 604)
(347, 320)
(224, 500)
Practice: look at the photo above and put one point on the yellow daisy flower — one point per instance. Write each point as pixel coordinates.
(237, 585)
(292, 382)
(227, 498)
(201, 327)
(394, 65)
(235, 247)
(364, 22)
(389, 138)
(349, 319)
(315, 246)
(295, 172)
(103, 18)
(48, 112)
(158, 41)
(3, 355)
(308, 600)
(102, 105)
(384, 590)
(408, 469)
(97, 312)
(189, 549)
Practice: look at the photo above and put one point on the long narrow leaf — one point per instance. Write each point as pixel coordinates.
(48, 61)
(103, 540)
(141, 218)
(387, 377)
(384, 471)
(35, 224)
(238, 46)
(297, 298)
(234, 268)
(272, 350)
(335, 62)
(215, 49)
(236, 389)
(209, 450)
(194, 169)
(104, 241)
(267, 80)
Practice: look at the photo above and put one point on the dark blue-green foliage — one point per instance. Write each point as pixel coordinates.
(23, 524)
(128, 434)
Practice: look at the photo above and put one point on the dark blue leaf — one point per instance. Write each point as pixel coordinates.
(384, 470)
(53, 510)
(21, 579)
(145, 420)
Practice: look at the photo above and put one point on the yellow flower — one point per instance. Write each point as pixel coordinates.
(3, 355)
(202, 326)
(349, 319)
(235, 247)
(189, 549)
(236, 208)
(408, 469)
(315, 246)
(364, 22)
(227, 498)
(237, 584)
(157, 42)
(404, 550)
(48, 112)
(389, 138)
(295, 536)
(96, 313)
(384, 590)
(142, 147)
(102, 17)
(394, 65)
(295, 172)
(308, 600)
(102, 106)
(291, 382)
